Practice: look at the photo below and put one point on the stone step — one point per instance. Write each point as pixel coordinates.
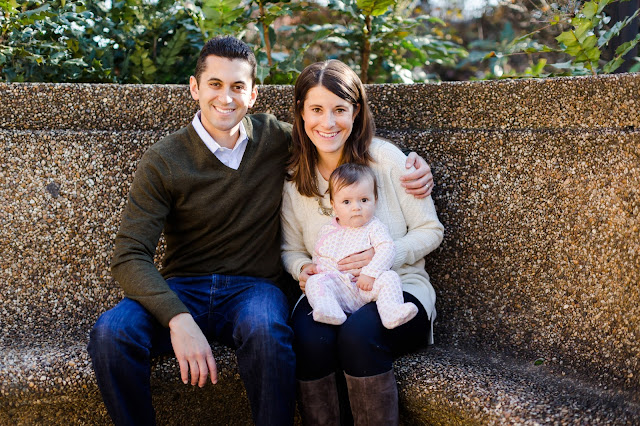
(54, 384)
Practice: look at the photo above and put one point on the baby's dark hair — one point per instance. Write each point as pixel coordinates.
(348, 174)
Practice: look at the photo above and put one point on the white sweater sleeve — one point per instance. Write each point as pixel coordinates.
(424, 230)
(294, 253)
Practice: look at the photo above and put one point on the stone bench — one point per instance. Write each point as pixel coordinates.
(537, 184)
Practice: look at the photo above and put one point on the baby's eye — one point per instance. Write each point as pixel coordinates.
(364, 200)
(345, 202)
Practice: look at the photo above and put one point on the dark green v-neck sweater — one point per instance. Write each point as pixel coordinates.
(216, 220)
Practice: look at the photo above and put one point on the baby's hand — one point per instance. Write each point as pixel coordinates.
(365, 282)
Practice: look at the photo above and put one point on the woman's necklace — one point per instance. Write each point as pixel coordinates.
(326, 211)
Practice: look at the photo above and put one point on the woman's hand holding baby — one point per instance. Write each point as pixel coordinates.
(306, 271)
(354, 263)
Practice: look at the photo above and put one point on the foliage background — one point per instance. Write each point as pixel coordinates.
(400, 41)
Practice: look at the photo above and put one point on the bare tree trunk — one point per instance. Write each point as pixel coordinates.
(265, 31)
(366, 51)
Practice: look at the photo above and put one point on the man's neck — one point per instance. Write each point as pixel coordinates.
(226, 138)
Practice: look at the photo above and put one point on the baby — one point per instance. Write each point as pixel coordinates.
(331, 293)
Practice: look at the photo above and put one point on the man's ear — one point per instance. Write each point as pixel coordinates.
(193, 88)
(254, 96)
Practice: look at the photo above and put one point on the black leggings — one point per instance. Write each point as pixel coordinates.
(360, 347)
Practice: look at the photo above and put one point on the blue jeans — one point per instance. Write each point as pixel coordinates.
(248, 314)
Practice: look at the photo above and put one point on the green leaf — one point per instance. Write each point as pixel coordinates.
(590, 42)
(375, 7)
(262, 72)
(624, 48)
(567, 38)
(621, 51)
(37, 11)
(583, 31)
(77, 62)
(593, 54)
(573, 50)
(612, 65)
(612, 32)
(170, 53)
(602, 4)
(590, 9)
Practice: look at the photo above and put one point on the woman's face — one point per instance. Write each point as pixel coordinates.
(328, 120)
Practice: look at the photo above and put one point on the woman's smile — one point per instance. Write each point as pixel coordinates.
(328, 120)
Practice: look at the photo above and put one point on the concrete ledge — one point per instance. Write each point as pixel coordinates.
(438, 386)
(55, 384)
(445, 386)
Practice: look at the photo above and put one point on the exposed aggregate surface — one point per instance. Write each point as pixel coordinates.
(537, 184)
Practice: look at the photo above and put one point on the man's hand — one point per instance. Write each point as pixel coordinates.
(192, 350)
(420, 181)
(365, 282)
(354, 263)
(306, 271)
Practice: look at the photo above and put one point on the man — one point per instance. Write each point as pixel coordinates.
(214, 187)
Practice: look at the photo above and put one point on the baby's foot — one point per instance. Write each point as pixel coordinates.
(395, 315)
(333, 318)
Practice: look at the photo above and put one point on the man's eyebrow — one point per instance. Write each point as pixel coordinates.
(234, 83)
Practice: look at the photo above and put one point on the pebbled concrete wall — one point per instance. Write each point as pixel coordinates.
(537, 184)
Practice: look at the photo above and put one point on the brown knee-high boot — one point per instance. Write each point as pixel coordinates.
(374, 399)
(318, 401)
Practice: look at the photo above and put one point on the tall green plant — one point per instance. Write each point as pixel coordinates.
(386, 46)
(50, 41)
(585, 40)
(150, 42)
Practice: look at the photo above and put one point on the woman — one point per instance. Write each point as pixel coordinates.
(333, 125)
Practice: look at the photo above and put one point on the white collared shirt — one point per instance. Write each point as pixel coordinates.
(229, 157)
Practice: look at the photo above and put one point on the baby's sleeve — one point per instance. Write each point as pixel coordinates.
(385, 252)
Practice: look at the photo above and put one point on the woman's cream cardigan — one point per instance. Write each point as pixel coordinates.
(412, 222)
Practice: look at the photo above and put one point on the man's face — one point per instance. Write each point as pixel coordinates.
(225, 92)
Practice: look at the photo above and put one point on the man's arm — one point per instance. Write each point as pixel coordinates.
(143, 219)
(419, 183)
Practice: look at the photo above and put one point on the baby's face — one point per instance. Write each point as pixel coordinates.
(355, 204)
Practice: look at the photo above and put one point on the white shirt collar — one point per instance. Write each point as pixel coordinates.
(229, 157)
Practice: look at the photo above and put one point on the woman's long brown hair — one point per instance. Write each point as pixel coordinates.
(342, 81)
